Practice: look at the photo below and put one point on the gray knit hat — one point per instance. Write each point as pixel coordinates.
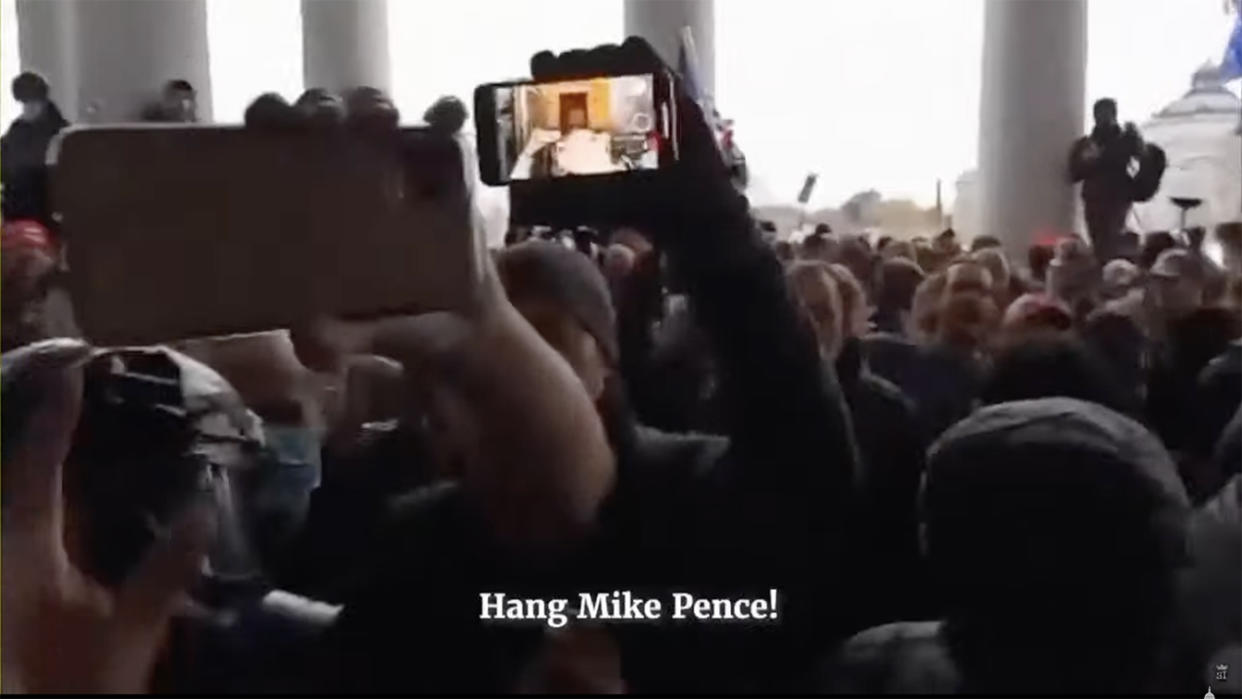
(566, 278)
(1054, 490)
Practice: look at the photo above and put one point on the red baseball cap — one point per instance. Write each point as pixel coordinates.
(27, 235)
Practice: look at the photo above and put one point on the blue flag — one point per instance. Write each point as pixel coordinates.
(1231, 64)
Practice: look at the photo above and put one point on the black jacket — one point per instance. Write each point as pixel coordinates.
(768, 508)
(23, 167)
(1210, 613)
(943, 384)
(665, 362)
(891, 452)
(350, 507)
(1057, 527)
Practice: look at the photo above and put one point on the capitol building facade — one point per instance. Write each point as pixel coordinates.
(1200, 135)
(1200, 132)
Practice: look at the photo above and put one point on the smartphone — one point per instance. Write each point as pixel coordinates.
(605, 125)
(176, 232)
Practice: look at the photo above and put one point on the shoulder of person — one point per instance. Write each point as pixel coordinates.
(887, 342)
(695, 452)
(898, 658)
(427, 506)
(1082, 143)
(1227, 362)
(1222, 513)
(886, 394)
(422, 549)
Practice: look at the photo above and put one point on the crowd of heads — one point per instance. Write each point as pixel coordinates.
(966, 468)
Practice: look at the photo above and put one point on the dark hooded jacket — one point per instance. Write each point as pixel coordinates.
(1050, 366)
(1056, 528)
(891, 450)
(23, 165)
(1219, 396)
(767, 507)
(1194, 340)
(1210, 611)
(942, 383)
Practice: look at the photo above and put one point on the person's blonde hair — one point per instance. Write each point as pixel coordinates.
(854, 304)
(802, 272)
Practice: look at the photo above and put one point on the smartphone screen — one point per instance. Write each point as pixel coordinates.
(592, 126)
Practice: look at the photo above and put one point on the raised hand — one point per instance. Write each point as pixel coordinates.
(62, 631)
(538, 456)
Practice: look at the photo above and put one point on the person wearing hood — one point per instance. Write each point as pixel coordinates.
(23, 151)
(1056, 529)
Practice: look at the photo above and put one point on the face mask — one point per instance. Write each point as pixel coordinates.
(31, 111)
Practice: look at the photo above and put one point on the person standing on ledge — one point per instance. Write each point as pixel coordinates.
(1101, 161)
(23, 151)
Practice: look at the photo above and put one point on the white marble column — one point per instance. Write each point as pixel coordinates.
(1031, 110)
(345, 44)
(107, 59)
(47, 38)
(660, 23)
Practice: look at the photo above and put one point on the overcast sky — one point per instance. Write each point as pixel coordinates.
(881, 93)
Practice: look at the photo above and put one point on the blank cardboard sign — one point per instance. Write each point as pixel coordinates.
(190, 231)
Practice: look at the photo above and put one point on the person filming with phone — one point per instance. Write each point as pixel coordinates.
(323, 433)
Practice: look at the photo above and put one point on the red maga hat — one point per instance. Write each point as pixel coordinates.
(27, 235)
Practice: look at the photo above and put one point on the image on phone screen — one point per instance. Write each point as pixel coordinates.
(579, 127)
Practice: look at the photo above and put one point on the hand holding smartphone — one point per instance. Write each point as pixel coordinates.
(631, 147)
(180, 232)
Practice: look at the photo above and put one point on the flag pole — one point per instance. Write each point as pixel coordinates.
(939, 205)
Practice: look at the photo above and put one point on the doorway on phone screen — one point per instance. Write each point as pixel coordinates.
(580, 127)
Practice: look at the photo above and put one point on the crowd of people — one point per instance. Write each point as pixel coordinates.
(962, 470)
